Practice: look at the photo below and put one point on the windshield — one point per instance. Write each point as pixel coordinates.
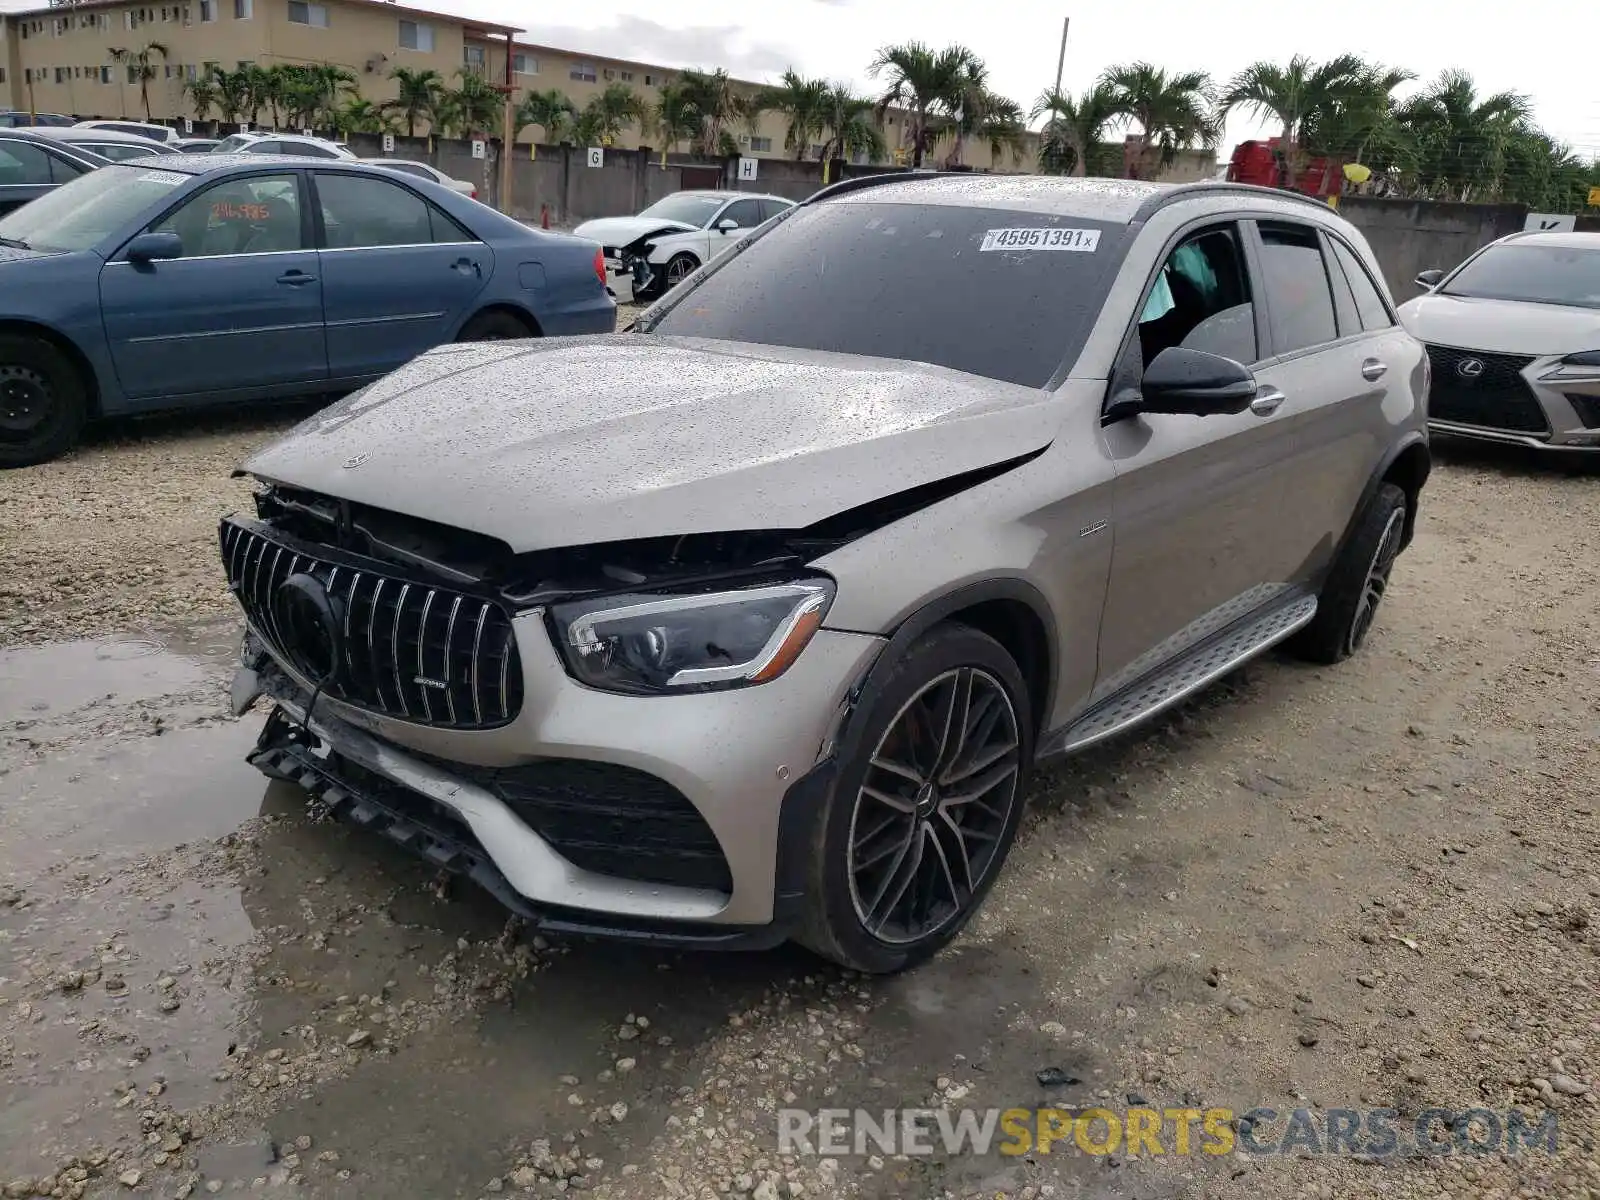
(232, 143)
(78, 215)
(690, 209)
(1006, 295)
(1536, 274)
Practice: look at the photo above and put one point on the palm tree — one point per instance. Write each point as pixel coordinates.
(419, 95)
(674, 118)
(474, 106)
(550, 110)
(924, 82)
(1076, 127)
(1296, 96)
(1361, 124)
(269, 86)
(993, 119)
(802, 102)
(203, 94)
(328, 83)
(1171, 111)
(719, 104)
(605, 116)
(360, 115)
(848, 128)
(1462, 138)
(233, 93)
(145, 68)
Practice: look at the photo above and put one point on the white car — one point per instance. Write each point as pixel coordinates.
(658, 248)
(297, 145)
(424, 171)
(1513, 337)
(144, 129)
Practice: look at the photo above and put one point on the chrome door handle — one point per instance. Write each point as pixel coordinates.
(1372, 370)
(1266, 401)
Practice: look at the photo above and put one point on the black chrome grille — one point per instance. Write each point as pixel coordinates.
(1494, 396)
(611, 820)
(411, 650)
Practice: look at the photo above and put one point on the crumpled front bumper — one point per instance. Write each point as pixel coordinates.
(441, 810)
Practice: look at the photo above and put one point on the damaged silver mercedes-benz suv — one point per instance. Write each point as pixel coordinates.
(747, 624)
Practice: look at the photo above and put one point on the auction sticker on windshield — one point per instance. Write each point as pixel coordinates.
(171, 178)
(1082, 240)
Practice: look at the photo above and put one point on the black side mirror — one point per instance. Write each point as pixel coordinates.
(1428, 279)
(153, 247)
(1190, 382)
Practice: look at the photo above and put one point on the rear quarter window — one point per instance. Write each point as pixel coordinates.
(913, 282)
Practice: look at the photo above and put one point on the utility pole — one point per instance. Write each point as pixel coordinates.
(507, 129)
(1061, 59)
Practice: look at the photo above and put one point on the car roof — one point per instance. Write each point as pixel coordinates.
(101, 122)
(85, 133)
(1561, 241)
(726, 194)
(1113, 201)
(221, 164)
(402, 162)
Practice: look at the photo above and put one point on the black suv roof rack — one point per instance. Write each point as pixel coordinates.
(1184, 191)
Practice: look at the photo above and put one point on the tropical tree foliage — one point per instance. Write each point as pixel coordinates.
(849, 128)
(550, 110)
(803, 103)
(1075, 127)
(673, 119)
(418, 99)
(144, 64)
(603, 119)
(1172, 111)
(930, 85)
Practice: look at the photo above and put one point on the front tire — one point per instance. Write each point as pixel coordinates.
(925, 811)
(1357, 583)
(43, 402)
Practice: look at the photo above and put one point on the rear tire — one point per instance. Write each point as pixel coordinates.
(1348, 605)
(43, 401)
(494, 326)
(903, 854)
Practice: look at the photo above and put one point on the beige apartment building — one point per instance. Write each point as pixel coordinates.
(60, 59)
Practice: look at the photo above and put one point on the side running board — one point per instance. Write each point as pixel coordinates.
(1209, 661)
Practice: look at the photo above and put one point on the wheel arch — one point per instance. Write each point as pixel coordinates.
(21, 326)
(526, 316)
(1010, 610)
(1407, 466)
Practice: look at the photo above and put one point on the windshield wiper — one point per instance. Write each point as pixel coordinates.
(15, 243)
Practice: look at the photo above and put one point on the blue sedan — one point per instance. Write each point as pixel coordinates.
(204, 280)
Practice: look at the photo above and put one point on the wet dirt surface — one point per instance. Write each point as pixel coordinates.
(1324, 887)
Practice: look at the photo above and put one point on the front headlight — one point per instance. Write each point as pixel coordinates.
(1586, 358)
(663, 645)
(1584, 366)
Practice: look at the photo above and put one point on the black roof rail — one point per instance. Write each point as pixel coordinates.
(862, 182)
(1186, 191)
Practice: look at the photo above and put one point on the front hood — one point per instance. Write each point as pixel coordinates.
(619, 231)
(573, 441)
(11, 257)
(1501, 326)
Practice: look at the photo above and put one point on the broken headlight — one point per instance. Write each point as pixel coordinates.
(663, 645)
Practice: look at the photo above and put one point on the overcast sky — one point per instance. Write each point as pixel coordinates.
(1544, 48)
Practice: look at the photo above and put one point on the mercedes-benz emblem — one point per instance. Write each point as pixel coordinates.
(355, 460)
(308, 622)
(1467, 368)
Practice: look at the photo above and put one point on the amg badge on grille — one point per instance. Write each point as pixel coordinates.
(424, 681)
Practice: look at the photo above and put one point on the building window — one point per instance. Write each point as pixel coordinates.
(59, 26)
(761, 145)
(133, 73)
(649, 81)
(303, 13)
(474, 59)
(610, 74)
(208, 10)
(242, 9)
(61, 74)
(189, 72)
(105, 74)
(416, 36)
(583, 72)
(2, 74)
(525, 64)
(627, 77)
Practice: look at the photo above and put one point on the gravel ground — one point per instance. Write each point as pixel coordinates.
(1372, 885)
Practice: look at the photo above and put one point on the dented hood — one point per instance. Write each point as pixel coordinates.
(569, 441)
(619, 231)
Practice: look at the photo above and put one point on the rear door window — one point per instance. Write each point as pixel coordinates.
(1295, 286)
(1369, 301)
